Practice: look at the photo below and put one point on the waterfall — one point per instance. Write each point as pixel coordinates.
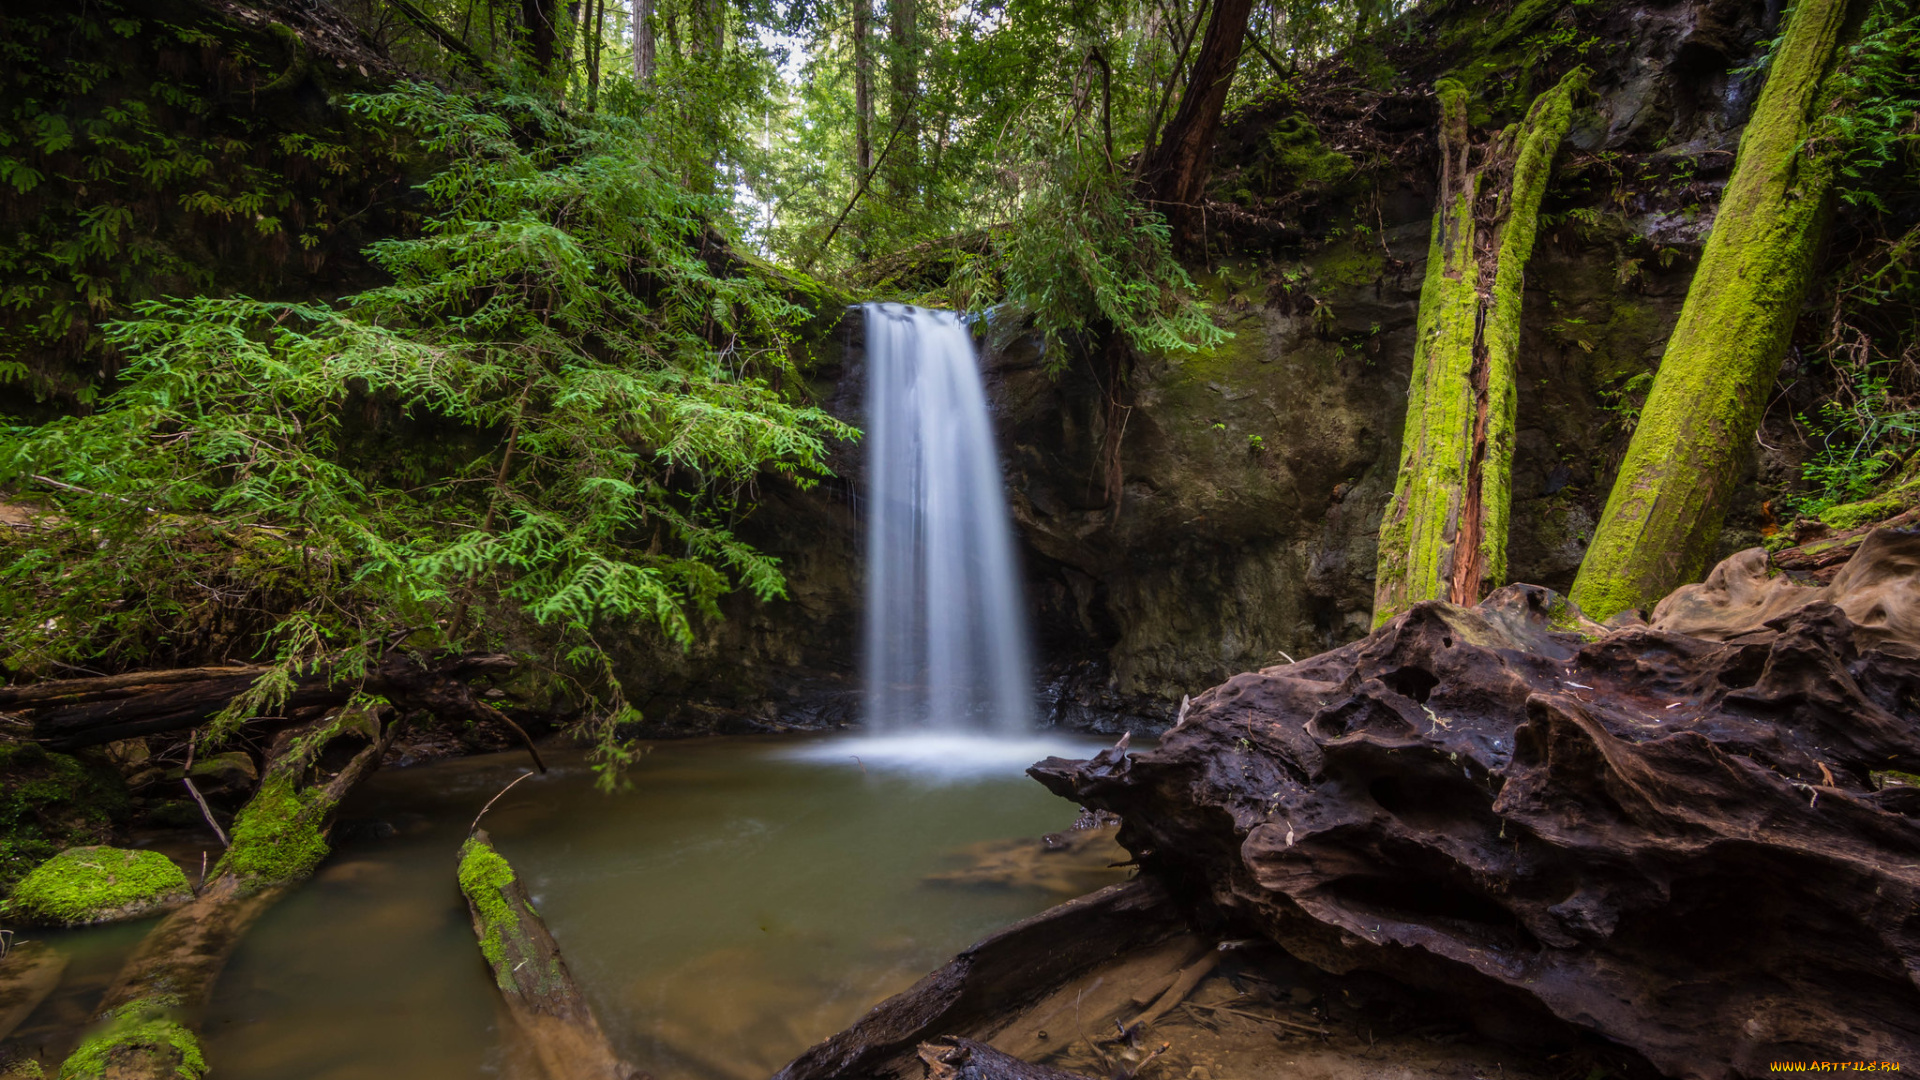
(946, 637)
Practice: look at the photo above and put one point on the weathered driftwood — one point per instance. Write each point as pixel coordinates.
(1821, 557)
(68, 714)
(524, 959)
(992, 981)
(1693, 848)
(146, 1018)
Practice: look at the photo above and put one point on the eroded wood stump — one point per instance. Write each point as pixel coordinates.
(1703, 850)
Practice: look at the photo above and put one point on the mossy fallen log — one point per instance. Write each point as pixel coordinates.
(546, 1004)
(1444, 536)
(144, 1026)
(68, 714)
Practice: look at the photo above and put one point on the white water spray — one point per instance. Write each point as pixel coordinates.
(946, 638)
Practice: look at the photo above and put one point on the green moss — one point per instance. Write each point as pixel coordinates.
(144, 1031)
(484, 873)
(1296, 157)
(278, 835)
(97, 884)
(1887, 778)
(485, 877)
(1854, 514)
(50, 802)
(1466, 343)
(1661, 525)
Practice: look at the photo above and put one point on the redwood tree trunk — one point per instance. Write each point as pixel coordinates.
(643, 42)
(862, 87)
(1176, 172)
(536, 28)
(903, 161)
(1444, 535)
(1662, 521)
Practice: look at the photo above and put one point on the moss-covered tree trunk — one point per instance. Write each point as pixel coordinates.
(1444, 536)
(547, 1006)
(1663, 517)
(146, 1021)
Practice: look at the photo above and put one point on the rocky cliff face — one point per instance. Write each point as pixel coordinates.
(1254, 475)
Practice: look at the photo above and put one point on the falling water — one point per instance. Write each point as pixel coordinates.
(946, 639)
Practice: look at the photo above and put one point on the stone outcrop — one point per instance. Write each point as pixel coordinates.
(1707, 851)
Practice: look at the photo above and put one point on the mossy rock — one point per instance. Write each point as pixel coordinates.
(88, 885)
(49, 802)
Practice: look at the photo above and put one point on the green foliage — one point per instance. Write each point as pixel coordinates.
(1860, 437)
(138, 156)
(1877, 120)
(94, 884)
(1084, 256)
(563, 400)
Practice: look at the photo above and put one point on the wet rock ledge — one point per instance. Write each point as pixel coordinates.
(1702, 846)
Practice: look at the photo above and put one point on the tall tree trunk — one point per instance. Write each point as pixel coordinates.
(862, 87)
(537, 32)
(643, 42)
(279, 838)
(597, 19)
(1444, 536)
(904, 81)
(1662, 519)
(1176, 172)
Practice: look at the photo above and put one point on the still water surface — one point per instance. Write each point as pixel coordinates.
(742, 900)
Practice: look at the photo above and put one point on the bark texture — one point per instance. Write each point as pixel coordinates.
(1444, 536)
(1664, 513)
(69, 714)
(1693, 848)
(1176, 169)
(643, 60)
(546, 1004)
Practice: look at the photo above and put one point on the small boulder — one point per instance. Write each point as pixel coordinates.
(86, 885)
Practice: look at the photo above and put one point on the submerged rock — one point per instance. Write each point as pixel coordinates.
(86, 885)
(1690, 847)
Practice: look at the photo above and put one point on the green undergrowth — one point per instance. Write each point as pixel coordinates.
(49, 802)
(148, 152)
(96, 884)
(548, 424)
(143, 1030)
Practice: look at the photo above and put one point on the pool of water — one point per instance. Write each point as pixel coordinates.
(741, 900)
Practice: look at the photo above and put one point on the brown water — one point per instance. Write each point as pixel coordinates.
(730, 909)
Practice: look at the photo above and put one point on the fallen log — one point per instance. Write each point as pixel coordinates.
(546, 1004)
(145, 1024)
(1700, 850)
(993, 981)
(68, 714)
